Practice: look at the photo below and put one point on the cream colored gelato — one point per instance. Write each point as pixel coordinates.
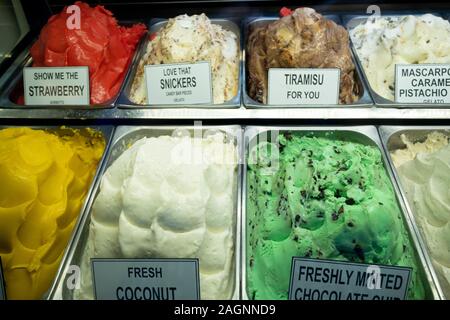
(382, 43)
(189, 39)
(434, 142)
(424, 170)
(169, 197)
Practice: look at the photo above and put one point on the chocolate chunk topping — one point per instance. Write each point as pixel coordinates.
(359, 252)
(350, 201)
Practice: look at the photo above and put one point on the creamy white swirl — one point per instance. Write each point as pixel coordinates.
(169, 197)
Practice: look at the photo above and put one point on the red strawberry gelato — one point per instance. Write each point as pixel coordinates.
(100, 43)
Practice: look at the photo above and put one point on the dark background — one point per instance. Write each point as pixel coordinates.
(38, 11)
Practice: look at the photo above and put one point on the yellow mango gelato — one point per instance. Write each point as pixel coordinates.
(44, 179)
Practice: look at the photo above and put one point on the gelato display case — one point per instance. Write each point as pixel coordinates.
(238, 135)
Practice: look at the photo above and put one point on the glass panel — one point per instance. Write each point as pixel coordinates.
(13, 26)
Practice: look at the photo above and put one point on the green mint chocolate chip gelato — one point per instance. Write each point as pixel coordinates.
(320, 198)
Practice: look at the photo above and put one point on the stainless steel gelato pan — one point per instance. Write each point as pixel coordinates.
(391, 138)
(125, 101)
(365, 135)
(13, 87)
(251, 23)
(352, 22)
(124, 138)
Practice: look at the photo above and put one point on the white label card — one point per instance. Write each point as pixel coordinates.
(146, 279)
(56, 86)
(422, 83)
(314, 279)
(175, 84)
(297, 86)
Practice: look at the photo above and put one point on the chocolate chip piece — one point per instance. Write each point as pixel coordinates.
(288, 135)
(351, 225)
(321, 193)
(359, 252)
(350, 201)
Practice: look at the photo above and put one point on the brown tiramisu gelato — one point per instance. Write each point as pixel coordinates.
(300, 39)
